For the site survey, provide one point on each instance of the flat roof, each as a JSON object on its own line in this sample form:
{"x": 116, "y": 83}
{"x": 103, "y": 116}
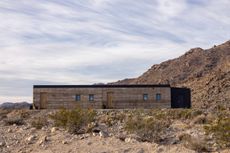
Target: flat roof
{"x": 103, "y": 86}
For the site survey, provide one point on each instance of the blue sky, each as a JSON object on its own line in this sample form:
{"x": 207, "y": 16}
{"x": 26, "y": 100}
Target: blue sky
{"x": 92, "y": 41}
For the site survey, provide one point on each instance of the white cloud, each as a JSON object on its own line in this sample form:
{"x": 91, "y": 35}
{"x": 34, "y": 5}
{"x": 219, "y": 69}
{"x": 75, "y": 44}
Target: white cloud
{"x": 15, "y": 99}
{"x": 88, "y": 41}
{"x": 170, "y": 8}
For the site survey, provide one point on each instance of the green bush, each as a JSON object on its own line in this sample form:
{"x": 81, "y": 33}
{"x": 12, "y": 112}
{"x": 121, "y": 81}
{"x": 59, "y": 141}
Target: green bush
{"x": 73, "y": 120}
{"x": 39, "y": 122}
{"x": 147, "y": 128}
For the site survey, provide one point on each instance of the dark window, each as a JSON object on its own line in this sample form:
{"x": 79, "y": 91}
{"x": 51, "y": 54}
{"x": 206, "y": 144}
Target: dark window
{"x": 158, "y": 97}
{"x": 145, "y": 97}
{"x": 78, "y": 97}
{"x": 91, "y": 97}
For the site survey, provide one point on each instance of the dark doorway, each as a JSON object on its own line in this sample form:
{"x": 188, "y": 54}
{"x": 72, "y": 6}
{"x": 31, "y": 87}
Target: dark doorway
{"x": 180, "y": 98}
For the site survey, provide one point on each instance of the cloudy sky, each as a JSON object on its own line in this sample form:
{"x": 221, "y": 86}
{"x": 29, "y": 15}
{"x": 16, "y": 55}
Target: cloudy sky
{"x": 92, "y": 41}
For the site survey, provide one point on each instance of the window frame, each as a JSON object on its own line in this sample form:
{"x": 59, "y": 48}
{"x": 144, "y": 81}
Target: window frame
{"x": 91, "y": 97}
{"x": 145, "y": 97}
{"x": 77, "y": 97}
{"x": 158, "y": 97}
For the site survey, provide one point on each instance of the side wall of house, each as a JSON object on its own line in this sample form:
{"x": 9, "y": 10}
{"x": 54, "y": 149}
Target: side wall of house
{"x": 120, "y": 98}
{"x": 133, "y": 97}
{"x": 65, "y": 97}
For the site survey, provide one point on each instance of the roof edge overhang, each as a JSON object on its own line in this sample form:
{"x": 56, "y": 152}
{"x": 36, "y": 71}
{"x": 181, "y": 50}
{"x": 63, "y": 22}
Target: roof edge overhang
{"x": 103, "y": 86}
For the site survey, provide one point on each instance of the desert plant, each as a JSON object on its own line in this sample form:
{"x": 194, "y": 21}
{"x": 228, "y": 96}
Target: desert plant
{"x": 112, "y": 118}
{"x": 39, "y": 122}
{"x": 184, "y": 113}
{"x": 3, "y": 113}
{"x": 181, "y": 114}
{"x": 23, "y": 113}
{"x": 201, "y": 119}
{"x": 196, "y": 144}
{"x": 14, "y": 120}
{"x": 220, "y": 128}
{"x": 147, "y": 128}
{"x": 73, "y": 120}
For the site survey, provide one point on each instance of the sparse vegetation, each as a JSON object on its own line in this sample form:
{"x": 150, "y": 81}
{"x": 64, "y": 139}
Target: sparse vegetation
{"x": 220, "y": 129}
{"x": 196, "y": 144}
{"x": 111, "y": 118}
{"x": 147, "y": 128}
{"x": 14, "y": 120}
{"x": 161, "y": 126}
{"x": 201, "y": 119}
{"x": 75, "y": 121}
{"x": 39, "y": 122}
{"x": 175, "y": 113}
{"x": 3, "y": 113}
{"x": 23, "y": 113}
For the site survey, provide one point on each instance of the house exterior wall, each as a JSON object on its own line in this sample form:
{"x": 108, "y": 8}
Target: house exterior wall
{"x": 104, "y": 97}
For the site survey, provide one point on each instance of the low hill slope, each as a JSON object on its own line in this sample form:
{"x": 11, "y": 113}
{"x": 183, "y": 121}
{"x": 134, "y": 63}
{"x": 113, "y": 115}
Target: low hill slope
{"x": 206, "y": 72}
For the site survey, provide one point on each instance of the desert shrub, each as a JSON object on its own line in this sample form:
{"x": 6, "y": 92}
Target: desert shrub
{"x": 160, "y": 114}
{"x": 220, "y": 128}
{"x": 112, "y": 118}
{"x": 3, "y": 113}
{"x": 73, "y": 120}
{"x": 39, "y": 122}
{"x": 23, "y": 113}
{"x": 175, "y": 113}
{"x": 184, "y": 137}
{"x": 196, "y": 144}
{"x": 184, "y": 113}
{"x": 14, "y": 120}
{"x": 108, "y": 120}
{"x": 147, "y": 128}
{"x": 201, "y": 119}
{"x": 60, "y": 117}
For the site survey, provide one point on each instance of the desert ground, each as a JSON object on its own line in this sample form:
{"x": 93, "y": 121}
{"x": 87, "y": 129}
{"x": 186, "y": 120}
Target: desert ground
{"x": 114, "y": 131}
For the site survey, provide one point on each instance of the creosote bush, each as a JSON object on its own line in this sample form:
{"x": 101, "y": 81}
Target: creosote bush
{"x": 75, "y": 121}
{"x": 24, "y": 113}
{"x": 147, "y": 128}
{"x": 196, "y": 144}
{"x": 14, "y": 120}
{"x": 39, "y": 122}
{"x": 3, "y": 113}
{"x": 112, "y": 118}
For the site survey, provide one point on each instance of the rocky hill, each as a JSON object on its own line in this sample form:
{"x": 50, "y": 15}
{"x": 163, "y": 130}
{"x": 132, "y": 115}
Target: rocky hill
{"x": 206, "y": 72}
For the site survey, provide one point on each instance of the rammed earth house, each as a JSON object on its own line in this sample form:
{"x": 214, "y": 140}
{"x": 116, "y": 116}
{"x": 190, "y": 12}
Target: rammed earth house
{"x": 110, "y": 96}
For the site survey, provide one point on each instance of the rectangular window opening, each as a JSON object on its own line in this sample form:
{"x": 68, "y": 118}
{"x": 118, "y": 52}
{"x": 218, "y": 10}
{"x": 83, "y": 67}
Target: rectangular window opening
{"x": 158, "y": 97}
{"x": 145, "y": 97}
{"x": 91, "y": 97}
{"x": 78, "y": 97}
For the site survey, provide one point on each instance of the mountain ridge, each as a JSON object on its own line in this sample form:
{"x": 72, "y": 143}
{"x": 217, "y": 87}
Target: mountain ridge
{"x": 18, "y": 105}
{"x": 205, "y": 71}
